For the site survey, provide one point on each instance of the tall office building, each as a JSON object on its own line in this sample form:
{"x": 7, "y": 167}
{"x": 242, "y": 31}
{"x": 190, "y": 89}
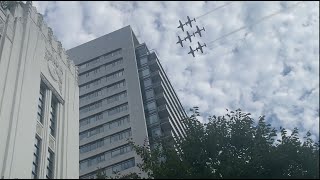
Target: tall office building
{"x": 124, "y": 93}
{"x": 39, "y": 99}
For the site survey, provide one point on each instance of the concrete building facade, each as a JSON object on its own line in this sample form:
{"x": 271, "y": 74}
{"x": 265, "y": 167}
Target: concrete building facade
{"x": 124, "y": 93}
{"x": 39, "y": 99}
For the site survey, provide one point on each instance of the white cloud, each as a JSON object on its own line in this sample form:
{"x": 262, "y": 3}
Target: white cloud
{"x": 273, "y": 70}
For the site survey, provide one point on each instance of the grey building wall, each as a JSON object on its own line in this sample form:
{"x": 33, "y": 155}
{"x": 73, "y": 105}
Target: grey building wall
{"x": 91, "y": 58}
{"x": 124, "y": 40}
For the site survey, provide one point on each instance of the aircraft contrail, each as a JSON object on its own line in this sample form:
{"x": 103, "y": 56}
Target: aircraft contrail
{"x": 255, "y": 23}
{"x": 215, "y": 9}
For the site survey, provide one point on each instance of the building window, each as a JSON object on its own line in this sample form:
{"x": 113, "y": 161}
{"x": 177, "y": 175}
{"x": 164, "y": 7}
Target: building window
{"x": 142, "y": 50}
{"x": 91, "y": 107}
{"x": 41, "y": 105}
{"x": 114, "y": 168}
{"x": 105, "y": 156}
{"x": 143, "y": 61}
{"x": 103, "y": 66}
{"x": 118, "y": 109}
{"x": 149, "y": 94}
{"x": 153, "y": 118}
{"x": 50, "y": 161}
{"x": 53, "y": 117}
{"x": 96, "y": 71}
{"x": 147, "y": 82}
{"x": 106, "y": 141}
{"x": 36, "y": 158}
{"x": 105, "y": 89}
{"x": 116, "y": 86}
{"x": 145, "y": 72}
{"x": 117, "y": 97}
{"x": 91, "y": 119}
{"x": 111, "y": 76}
{"x": 151, "y": 106}
{"x": 155, "y": 132}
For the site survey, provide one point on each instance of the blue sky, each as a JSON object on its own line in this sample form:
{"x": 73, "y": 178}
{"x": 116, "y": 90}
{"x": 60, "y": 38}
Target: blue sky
{"x": 271, "y": 68}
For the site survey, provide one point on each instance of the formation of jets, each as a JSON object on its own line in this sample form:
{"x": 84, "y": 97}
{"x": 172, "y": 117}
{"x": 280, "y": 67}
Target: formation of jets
{"x": 188, "y": 37}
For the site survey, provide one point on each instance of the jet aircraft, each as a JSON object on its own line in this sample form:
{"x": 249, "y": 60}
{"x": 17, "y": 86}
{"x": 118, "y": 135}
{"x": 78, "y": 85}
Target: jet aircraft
{"x": 188, "y": 37}
{"x": 199, "y": 31}
{"x": 181, "y": 25}
{"x": 192, "y": 51}
{"x": 180, "y": 41}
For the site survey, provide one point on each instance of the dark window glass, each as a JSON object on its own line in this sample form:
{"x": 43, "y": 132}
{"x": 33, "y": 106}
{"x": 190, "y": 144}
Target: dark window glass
{"x": 50, "y": 161}
{"x": 36, "y": 158}
{"x": 41, "y": 105}
{"x": 147, "y": 82}
{"x": 53, "y": 117}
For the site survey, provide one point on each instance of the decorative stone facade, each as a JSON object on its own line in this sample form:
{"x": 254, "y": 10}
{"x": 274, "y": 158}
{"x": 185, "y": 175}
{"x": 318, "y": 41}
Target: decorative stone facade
{"x": 30, "y": 55}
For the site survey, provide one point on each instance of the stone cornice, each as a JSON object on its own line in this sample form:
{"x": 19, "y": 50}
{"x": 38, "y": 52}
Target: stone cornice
{"x": 24, "y": 11}
{"x": 45, "y": 30}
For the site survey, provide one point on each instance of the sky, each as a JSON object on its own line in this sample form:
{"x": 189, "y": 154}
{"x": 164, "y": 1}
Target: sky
{"x": 270, "y": 68}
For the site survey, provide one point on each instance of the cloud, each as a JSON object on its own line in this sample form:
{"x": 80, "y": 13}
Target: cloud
{"x": 271, "y": 68}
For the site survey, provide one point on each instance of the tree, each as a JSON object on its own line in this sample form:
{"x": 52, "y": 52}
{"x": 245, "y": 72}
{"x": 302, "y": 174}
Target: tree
{"x": 230, "y": 146}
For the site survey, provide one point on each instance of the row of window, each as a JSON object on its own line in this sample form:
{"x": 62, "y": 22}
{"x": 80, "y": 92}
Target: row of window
{"x": 106, "y": 78}
{"x": 105, "y": 156}
{"x": 100, "y": 59}
{"x": 117, "y": 97}
{"x": 105, "y": 127}
{"x": 91, "y": 107}
{"x": 106, "y": 141}
{"x": 52, "y": 122}
{"x": 50, "y": 170}
{"x": 118, "y": 109}
{"x": 53, "y": 111}
{"x": 109, "y": 100}
{"x": 40, "y": 105}
{"x": 148, "y": 96}
{"x": 36, "y": 161}
{"x": 113, "y": 169}
{"x": 98, "y": 117}
{"x": 107, "y": 66}
{"x": 142, "y": 61}
{"x": 106, "y": 89}
{"x": 52, "y": 130}
{"x": 142, "y": 50}
{"x": 91, "y": 119}
{"x": 150, "y": 106}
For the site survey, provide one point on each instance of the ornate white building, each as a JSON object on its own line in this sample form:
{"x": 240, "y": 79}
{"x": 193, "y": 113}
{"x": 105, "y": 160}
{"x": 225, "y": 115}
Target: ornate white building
{"x": 39, "y": 99}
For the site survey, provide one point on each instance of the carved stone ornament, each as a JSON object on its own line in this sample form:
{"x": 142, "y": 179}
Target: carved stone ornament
{"x": 59, "y": 48}
{"x": 50, "y": 34}
{"x": 55, "y": 69}
{"x": 1, "y": 26}
{"x": 29, "y": 7}
{"x": 40, "y": 20}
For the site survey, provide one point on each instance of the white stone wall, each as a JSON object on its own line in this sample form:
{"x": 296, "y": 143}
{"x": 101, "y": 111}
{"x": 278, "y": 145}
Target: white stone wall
{"x": 29, "y": 54}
